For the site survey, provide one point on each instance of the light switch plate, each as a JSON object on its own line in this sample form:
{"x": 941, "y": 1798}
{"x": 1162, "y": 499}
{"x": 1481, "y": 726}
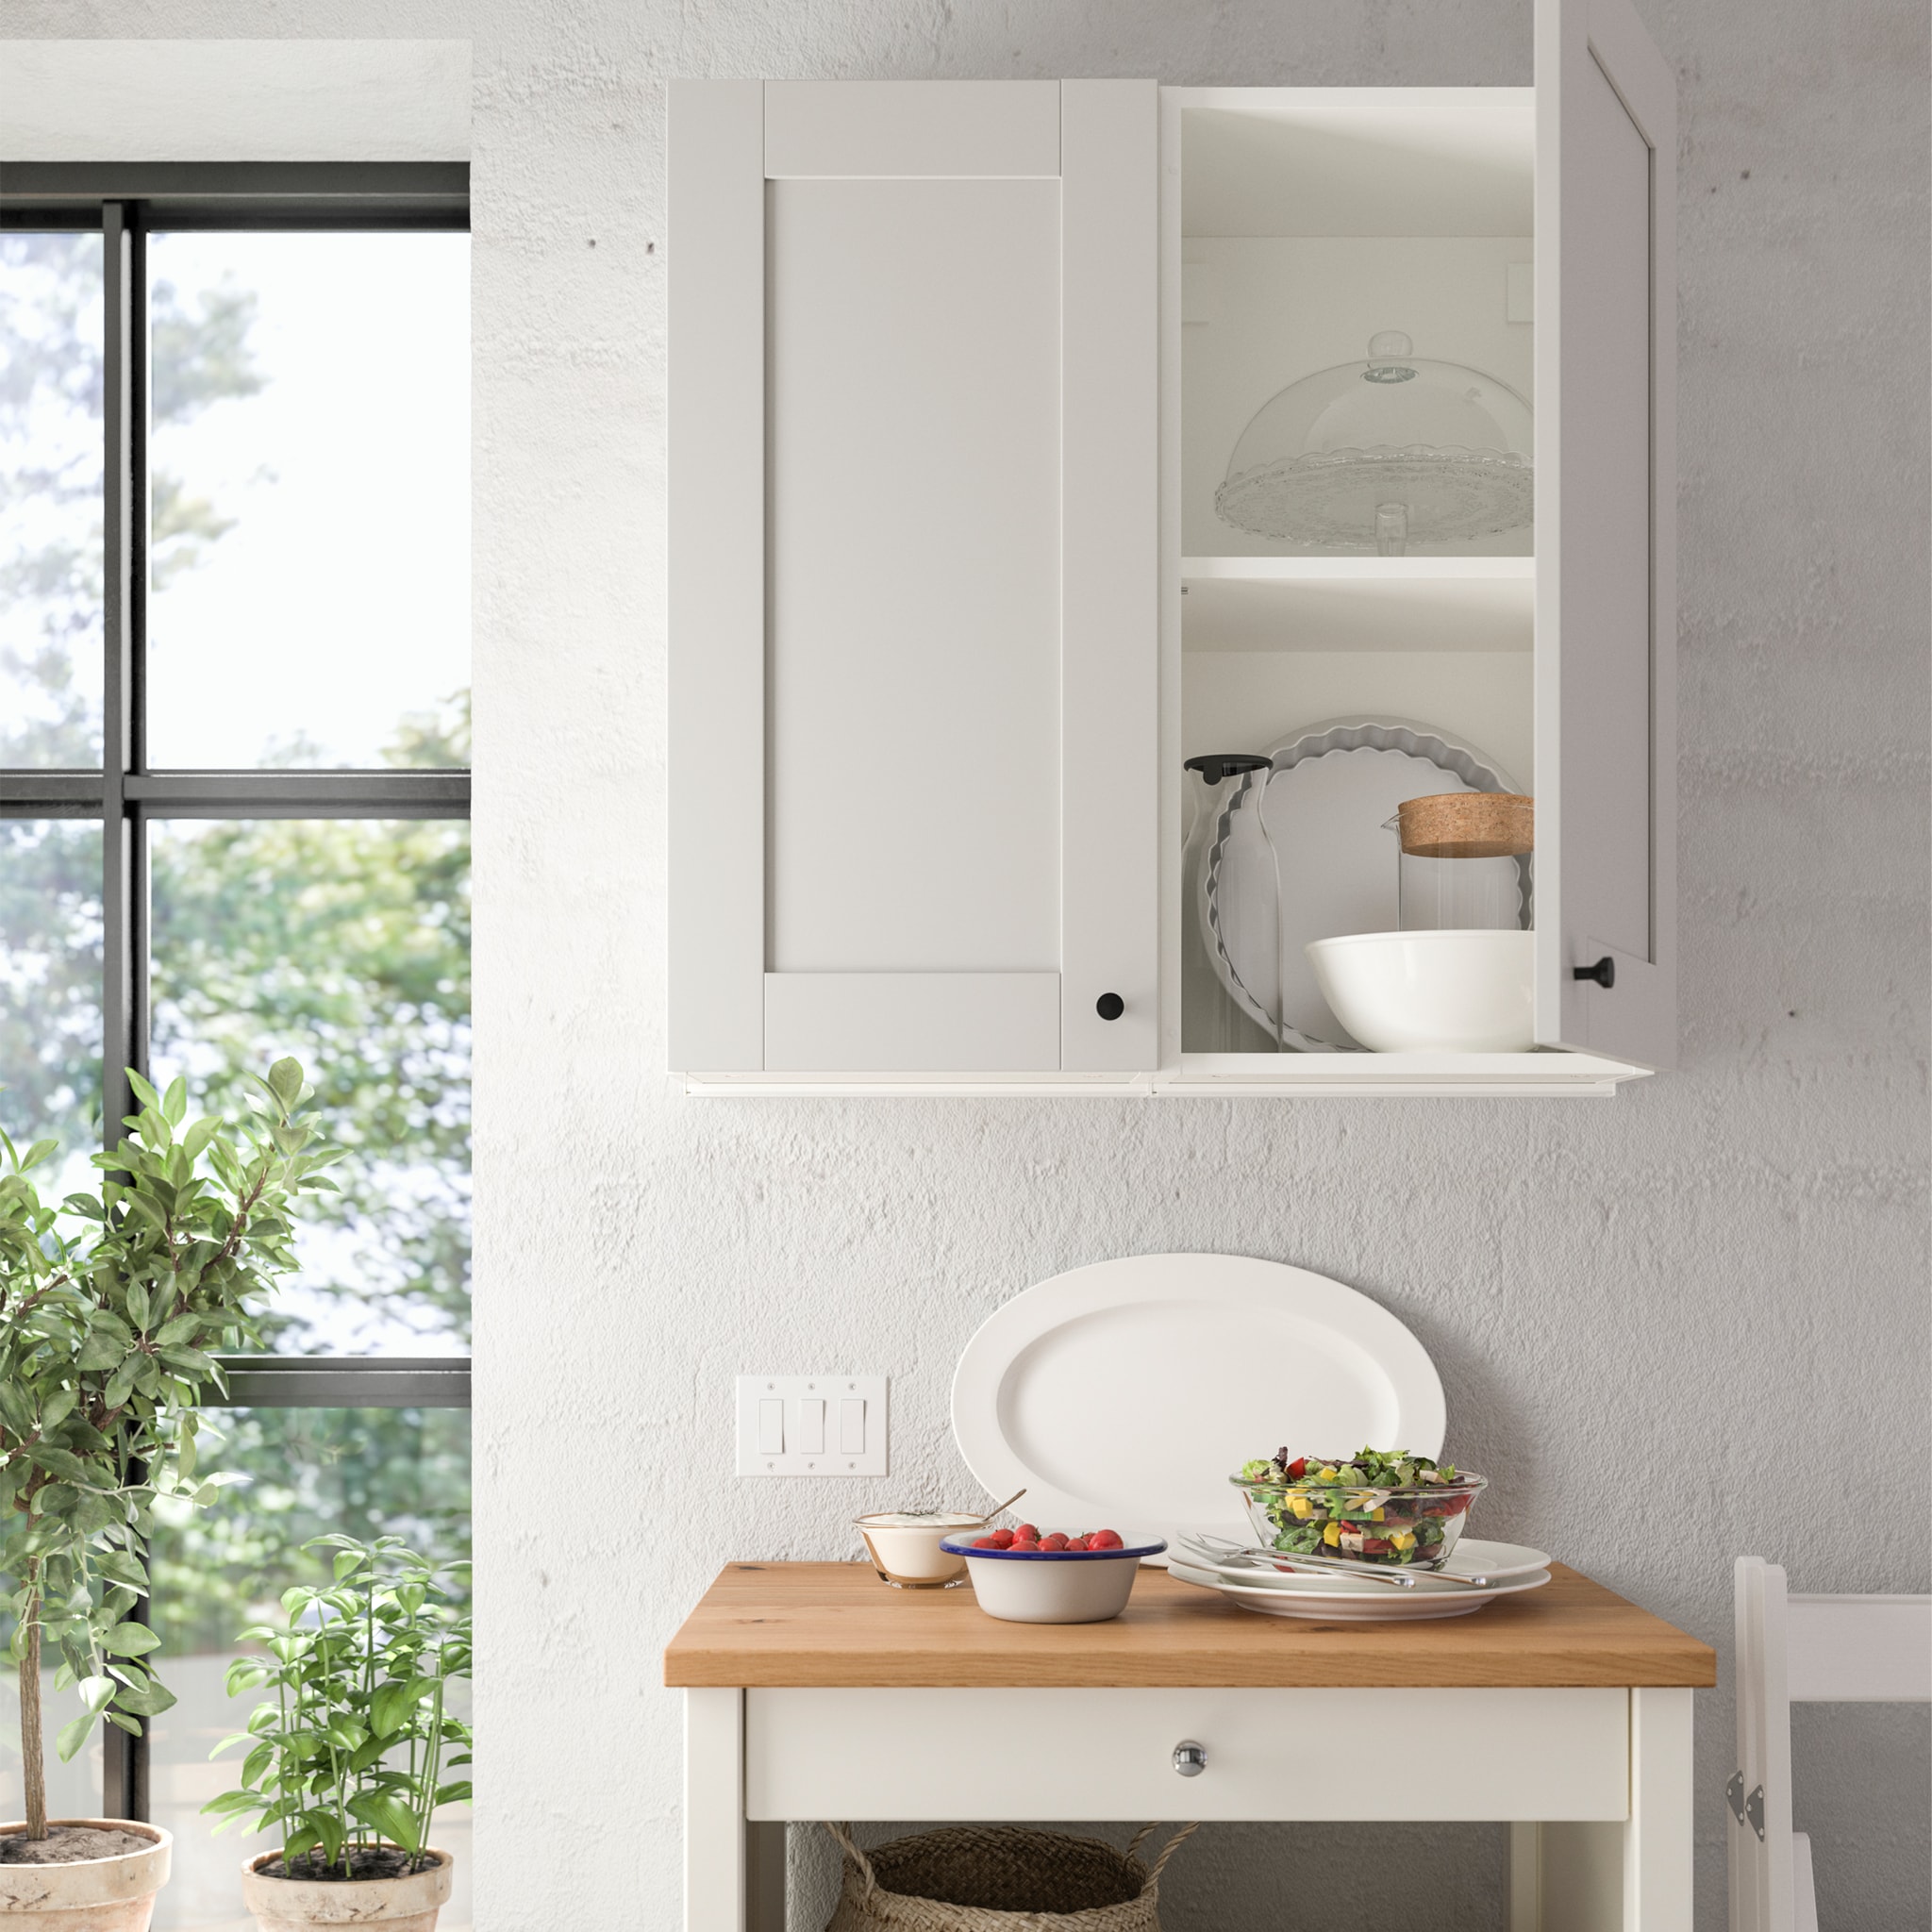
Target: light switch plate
{"x": 827, "y": 1425}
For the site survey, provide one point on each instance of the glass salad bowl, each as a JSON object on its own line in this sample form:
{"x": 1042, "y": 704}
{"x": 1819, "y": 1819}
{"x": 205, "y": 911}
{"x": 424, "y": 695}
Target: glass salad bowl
{"x": 1361, "y": 1509}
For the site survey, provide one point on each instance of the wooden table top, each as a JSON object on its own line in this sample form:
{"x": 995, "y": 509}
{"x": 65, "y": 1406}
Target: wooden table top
{"x": 836, "y": 1626}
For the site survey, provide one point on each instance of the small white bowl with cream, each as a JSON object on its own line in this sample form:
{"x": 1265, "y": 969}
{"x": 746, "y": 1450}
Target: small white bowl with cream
{"x": 904, "y": 1545}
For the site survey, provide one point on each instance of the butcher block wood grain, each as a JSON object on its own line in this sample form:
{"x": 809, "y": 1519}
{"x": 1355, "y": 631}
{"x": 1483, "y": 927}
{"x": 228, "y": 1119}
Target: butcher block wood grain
{"x": 835, "y": 1625}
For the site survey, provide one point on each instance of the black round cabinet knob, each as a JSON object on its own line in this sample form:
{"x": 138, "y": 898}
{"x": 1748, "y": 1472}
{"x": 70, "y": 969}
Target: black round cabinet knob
{"x": 1109, "y": 1006}
{"x": 1604, "y": 972}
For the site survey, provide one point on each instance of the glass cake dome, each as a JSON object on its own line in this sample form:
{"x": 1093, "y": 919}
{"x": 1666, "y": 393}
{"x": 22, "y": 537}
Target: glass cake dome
{"x": 1383, "y": 453}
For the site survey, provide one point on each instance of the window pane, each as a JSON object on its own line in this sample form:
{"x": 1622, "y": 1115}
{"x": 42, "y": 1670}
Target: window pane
{"x": 347, "y": 943}
{"x": 310, "y": 458}
{"x": 365, "y": 1472}
{"x": 50, "y": 499}
{"x": 50, "y": 991}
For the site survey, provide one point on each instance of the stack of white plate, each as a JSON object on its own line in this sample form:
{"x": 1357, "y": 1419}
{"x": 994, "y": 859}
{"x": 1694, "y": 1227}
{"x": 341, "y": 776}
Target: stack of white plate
{"x": 1328, "y": 1596}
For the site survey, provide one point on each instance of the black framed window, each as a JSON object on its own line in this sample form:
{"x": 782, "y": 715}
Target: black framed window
{"x": 234, "y": 791}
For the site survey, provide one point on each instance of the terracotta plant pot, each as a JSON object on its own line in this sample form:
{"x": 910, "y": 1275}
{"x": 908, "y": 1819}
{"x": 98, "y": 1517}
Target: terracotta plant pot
{"x": 93, "y": 1895}
{"x": 409, "y": 1904}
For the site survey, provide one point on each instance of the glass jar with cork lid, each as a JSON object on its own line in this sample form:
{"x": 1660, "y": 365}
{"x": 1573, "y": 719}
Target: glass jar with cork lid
{"x": 1465, "y": 862}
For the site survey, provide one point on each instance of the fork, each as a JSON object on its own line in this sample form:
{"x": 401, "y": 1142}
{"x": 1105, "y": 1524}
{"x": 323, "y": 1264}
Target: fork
{"x": 1221, "y": 1552}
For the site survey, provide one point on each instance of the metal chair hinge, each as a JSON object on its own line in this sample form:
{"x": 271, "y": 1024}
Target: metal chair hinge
{"x": 1753, "y": 1810}
{"x": 1734, "y": 1795}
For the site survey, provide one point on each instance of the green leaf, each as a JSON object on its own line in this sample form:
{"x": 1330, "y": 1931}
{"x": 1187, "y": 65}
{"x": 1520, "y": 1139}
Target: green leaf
{"x": 179, "y": 1329}
{"x": 391, "y": 1705}
{"x": 120, "y": 1383}
{"x": 129, "y": 1640}
{"x": 388, "y": 1815}
{"x": 142, "y": 1204}
{"x": 196, "y": 1139}
{"x": 230, "y": 1801}
{"x": 138, "y": 1303}
{"x": 285, "y": 1082}
{"x": 118, "y": 1566}
{"x": 146, "y": 1700}
{"x": 100, "y": 1351}
{"x": 58, "y": 1408}
{"x": 96, "y": 1694}
{"x": 73, "y": 1736}
{"x": 15, "y": 1410}
{"x": 189, "y": 1360}
{"x": 61, "y": 1462}
{"x": 37, "y": 1153}
{"x": 174, "y": 1100}
{"x": 126, "y": 1723}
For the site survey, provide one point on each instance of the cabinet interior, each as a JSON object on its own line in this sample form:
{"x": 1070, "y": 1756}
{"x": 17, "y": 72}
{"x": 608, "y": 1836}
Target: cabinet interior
{"x": 1310, "y": 221}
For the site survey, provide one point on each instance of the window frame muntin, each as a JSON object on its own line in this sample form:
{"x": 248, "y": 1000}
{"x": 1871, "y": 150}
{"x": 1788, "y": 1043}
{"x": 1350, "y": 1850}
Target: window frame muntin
{"x": 126, "y": 202}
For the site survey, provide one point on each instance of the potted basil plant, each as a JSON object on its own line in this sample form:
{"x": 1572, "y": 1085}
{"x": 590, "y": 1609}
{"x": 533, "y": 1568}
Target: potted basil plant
{"x": 351, "y": 1755}
{"x": 109, "y": 1305}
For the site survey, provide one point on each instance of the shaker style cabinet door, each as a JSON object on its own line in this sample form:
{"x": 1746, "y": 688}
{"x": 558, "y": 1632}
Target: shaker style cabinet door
{"x": 913, "y": 463}
{"x": 1605, "y": 468}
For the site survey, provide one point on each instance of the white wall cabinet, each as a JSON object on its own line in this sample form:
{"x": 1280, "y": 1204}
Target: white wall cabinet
{"x": 954, "y": 370}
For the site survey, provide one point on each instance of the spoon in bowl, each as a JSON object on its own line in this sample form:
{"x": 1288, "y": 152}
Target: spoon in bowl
{"x": 1007, "y": 1505}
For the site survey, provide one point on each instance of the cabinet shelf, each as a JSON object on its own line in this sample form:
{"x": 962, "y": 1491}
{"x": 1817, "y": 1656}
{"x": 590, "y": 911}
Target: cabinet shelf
{"x": 1203, "y": 1076}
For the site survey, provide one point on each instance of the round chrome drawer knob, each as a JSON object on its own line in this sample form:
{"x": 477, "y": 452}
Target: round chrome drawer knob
{"x": 1190, "y": 1759}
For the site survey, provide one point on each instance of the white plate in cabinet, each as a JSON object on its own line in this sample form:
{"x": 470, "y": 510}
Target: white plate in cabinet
{"x": 1077, "y": 1754}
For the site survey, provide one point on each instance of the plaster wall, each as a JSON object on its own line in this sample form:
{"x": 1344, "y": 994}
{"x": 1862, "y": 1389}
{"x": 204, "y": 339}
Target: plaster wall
{"x": 1646, "y": 1311}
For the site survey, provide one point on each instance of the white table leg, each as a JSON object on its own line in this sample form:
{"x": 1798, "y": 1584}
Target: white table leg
{"x": 1658, "y": 1841}
{"x": 1634, "y": 1876}
{"x": 714, "y": 1835}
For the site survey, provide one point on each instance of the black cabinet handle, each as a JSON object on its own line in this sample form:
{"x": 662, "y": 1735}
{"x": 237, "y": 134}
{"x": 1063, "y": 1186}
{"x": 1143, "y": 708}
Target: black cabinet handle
{"x": 1604, "y": 972}
{"x": 1109, "y": 1006}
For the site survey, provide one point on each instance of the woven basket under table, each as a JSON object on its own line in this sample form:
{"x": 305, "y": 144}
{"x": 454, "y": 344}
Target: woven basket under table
{"x": 999, "y": 1878}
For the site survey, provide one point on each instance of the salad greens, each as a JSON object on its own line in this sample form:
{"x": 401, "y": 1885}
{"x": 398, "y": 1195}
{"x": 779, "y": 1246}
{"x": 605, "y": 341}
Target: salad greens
{"x": 1379, "y": 1505}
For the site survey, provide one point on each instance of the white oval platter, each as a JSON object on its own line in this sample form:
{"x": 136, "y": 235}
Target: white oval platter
{"x": 1130, "y": 1391}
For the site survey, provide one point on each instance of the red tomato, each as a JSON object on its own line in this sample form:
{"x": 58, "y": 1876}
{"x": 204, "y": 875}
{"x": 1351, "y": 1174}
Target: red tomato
{"x": 1001, "y": 1538}
{"x": 1026, "y": 1533}
{"x": 1105, "y": 1540}
{"x": 1055, "y": 1541}
{"x": 1297, "y": 1469}
{"x": 1026, "y": 1542}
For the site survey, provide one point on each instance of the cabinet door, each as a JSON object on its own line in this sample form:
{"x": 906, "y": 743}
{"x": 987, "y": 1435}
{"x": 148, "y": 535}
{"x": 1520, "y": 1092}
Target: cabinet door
{"x": 913, "y": 576}
{"x": 1606, "y": 479}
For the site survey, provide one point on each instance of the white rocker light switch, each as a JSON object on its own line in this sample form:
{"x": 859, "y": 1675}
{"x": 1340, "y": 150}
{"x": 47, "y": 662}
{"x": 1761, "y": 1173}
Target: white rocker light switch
{"x": 811, "y": 1426}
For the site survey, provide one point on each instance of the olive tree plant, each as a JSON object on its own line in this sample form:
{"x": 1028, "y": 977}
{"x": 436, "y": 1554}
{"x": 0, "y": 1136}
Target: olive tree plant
{"x": 110, "y": 1304}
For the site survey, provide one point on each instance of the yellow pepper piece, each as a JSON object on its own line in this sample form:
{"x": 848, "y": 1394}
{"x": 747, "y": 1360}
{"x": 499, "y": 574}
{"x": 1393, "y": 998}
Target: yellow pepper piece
{"x": 1380, "y": 1515}
{"x": 1328, "y": 1474}
{"x": 1331, "y": 1534}
{"x": 1402, "y": 1540}
{"x": 1301, "y": 1506}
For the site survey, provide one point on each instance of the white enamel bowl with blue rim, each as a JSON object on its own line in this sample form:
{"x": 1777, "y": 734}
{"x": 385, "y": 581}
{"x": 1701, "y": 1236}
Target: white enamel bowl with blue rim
{"x": 1054, "y": 1586}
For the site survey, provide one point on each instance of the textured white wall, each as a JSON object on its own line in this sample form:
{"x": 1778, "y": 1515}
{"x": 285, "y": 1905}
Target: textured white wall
{"x": 1647, "y": 1311}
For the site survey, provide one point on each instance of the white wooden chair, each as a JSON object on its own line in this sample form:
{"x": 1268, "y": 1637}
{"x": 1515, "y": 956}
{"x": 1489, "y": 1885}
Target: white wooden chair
{"x": 1803, "y": 1650}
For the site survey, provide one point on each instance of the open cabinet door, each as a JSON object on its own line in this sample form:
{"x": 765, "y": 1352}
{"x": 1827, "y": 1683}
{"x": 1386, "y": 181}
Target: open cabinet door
{"x": 913, "y": 439}
{"x": 1606, "y": 484}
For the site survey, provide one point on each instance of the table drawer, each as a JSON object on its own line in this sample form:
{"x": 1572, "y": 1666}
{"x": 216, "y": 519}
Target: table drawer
{"x": 1316, "y": 1754}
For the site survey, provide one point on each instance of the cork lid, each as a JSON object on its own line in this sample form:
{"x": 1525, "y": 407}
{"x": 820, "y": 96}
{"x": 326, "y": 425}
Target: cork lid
{"x": 1468, "y": 824}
